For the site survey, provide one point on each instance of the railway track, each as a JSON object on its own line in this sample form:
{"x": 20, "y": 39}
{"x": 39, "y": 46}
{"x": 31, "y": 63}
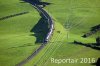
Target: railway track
{"x": 50, "y": 22}
{"x": 47, "y": 38}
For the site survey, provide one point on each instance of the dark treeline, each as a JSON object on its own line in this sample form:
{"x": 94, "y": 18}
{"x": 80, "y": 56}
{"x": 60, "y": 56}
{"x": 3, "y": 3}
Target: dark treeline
{"x": 13, "y": 15}
{"x": 38, "y": 2}
{"x": 98, "y": 40}
{"x": 95, "y": 27}
{"x": 91, "y": 45}
{"x": 92, "y": 31}
{"x": 97, "y": 63}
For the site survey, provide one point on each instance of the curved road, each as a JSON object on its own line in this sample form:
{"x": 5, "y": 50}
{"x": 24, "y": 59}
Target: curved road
{"x": 47, "y": 38}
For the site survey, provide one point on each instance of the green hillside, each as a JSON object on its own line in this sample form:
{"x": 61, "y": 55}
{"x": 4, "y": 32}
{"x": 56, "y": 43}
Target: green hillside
{"x": 72, "y": 19}
{"x": 80, "y": 16}
{"x": 16, "y": 40}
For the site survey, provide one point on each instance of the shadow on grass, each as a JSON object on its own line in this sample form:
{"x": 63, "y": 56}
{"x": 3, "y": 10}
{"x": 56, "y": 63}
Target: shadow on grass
{"x": 93, "y": 30}
{"x": 91, "y": 45}
{"x": 13, "y": 15}
{"x": 40, "y": 30}
{"x": 38, "y": 2}
{"x": 97, "y": 63}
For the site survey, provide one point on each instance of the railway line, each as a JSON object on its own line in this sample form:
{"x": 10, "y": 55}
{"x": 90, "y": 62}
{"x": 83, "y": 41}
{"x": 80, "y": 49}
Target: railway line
{"x": 47, "y": 38}
{"x": 50, "y": 22}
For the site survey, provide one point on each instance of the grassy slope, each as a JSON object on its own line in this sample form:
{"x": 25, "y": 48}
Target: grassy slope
{"x": 16, "y": 42}
{"x": 76, "y": 11}
{"x": 86, "y": 14}
{"x": 18, "y": 34}
{"x": 50, "y": 47}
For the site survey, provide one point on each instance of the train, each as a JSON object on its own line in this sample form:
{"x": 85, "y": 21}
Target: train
{"x": 50, "y": 23}
{"x": 49, "y": 33}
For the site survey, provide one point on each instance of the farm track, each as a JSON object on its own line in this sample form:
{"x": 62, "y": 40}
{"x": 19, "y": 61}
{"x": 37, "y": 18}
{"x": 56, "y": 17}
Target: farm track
{"x": 50, "y": 21}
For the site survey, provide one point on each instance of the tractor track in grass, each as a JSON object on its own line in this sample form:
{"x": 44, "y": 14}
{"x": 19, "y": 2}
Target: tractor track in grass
{"x": 49, "y": 34}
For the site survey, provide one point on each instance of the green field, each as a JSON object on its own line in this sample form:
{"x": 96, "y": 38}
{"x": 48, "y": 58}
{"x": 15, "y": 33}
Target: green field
{"x": 17, "y": 41}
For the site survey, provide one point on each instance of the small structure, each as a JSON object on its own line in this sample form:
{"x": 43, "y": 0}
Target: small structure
{"x": 98, "y": 40}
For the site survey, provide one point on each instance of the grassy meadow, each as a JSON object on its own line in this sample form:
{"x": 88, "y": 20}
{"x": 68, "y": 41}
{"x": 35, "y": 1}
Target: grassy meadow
{"x": 16, "y": 40}
{"x": 78, "y": 17}
{"x": 72, "y": 18}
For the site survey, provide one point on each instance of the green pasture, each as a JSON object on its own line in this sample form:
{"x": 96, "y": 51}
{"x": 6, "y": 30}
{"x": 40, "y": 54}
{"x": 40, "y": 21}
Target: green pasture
{"x": 80, "y": 16}
{"x": 72, "y": 18}
{"x": 16, "y": 40}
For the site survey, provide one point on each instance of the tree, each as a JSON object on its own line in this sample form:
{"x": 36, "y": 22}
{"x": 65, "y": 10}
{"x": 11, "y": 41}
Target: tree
{"x": 98, "y": 40}
{"x": 37, "y": 1}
